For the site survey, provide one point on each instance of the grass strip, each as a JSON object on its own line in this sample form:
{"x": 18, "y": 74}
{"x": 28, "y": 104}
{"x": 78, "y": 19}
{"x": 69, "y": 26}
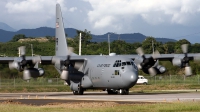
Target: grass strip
{"x": 103, "y": 107}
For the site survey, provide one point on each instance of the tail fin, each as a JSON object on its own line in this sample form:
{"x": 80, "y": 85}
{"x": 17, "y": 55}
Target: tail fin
{"x": 61, "y": 44}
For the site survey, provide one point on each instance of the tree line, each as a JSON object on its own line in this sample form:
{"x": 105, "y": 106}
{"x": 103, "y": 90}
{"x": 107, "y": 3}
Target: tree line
{"x": 95, "y": 48}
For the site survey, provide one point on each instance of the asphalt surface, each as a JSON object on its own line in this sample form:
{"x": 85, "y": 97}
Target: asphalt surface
{"x": 44, "y": 98}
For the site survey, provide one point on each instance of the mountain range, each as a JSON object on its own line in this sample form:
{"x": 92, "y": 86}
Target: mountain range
{"x": 6, "y": 27}
{"x": 7, "y": 35}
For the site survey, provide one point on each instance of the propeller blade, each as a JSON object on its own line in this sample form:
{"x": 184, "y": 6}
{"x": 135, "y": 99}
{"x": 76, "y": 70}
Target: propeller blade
{"x": 22, "y": 50}
{"x": 36, "y": 59}
{"x": 139, "y": 66}
{"x": 188, "y": 71}
{"x": 78, "y": 65}
{"x": 140, "y": 51}
{"x": 64, "y": 75}
{"x": 184, "y": 48}
{"x": 26, "y": 75}
{"x": 13, "y": 65}
{"x": 156, "y": 54}
{"x": 152, "y": 71}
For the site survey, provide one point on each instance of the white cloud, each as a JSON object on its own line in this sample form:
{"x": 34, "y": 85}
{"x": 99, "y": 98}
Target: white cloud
{"x": 33, "y": 13}
{"x": 73, "y": 9}
{"x": 32, "y": 6}
{"x": 159, "y": 18}
{"x": 154, "y": 12}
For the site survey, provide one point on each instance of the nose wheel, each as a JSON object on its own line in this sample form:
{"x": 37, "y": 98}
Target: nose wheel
{"x": 124, "y": 91}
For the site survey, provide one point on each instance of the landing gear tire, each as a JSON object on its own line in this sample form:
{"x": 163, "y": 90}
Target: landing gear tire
{"x": 124, "y": 91}
{"x": 80, "y": 91}
{"x": 112, "y": 92}
{"x": 75, "y": 92}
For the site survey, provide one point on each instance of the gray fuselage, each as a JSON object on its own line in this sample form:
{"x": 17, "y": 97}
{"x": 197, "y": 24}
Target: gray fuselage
{"x": 107, "y": 72}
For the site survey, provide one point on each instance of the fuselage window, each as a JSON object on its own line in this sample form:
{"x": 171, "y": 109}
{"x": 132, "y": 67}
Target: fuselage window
{"x": 116, "y": 72}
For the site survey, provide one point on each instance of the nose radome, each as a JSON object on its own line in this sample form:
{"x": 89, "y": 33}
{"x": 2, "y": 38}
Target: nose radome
{"x": 130, "y": 78}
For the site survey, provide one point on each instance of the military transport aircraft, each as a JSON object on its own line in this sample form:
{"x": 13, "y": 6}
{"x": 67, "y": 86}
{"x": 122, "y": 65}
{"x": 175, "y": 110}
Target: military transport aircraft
{"x": 113, "y": 73}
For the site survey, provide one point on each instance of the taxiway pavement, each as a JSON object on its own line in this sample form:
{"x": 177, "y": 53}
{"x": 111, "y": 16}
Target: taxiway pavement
{"x": 43, "y": 98}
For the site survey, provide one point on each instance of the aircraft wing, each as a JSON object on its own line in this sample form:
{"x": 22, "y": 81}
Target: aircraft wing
{"x": 166, "y": 57}
{"x": 44, "y": 59}
{"x": 162, "y": 57}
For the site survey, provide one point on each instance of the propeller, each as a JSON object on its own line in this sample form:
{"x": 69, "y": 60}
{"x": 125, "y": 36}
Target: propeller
{"x": 185, "y": 60}
{"x": 64, "y": 66}
{"x": 20, "y": 63}
{"x": 147, "y": 63}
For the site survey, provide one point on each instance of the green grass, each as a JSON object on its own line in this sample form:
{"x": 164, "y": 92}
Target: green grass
{"x": 107, "y": 107}
{"x": 65, "y": 88}
{"x": 57, "y": 85}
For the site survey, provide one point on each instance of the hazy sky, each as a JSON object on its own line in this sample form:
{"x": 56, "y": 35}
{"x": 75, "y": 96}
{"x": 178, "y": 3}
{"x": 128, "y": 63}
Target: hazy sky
{"x": 177, "y": 19}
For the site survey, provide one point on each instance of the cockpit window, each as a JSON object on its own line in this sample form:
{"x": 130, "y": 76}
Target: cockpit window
{"x": 123, "y": 63}
{"x": 134, "y": 65}
{"x": 117, "y": 63}
{"x": 128, "y": 63}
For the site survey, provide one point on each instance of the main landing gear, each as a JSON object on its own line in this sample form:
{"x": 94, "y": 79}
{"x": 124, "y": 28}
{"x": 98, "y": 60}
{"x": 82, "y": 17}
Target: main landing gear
{"x": 124, "y": 91}
{"x": 120, "y": 91}
{"x": 80, "y": 91}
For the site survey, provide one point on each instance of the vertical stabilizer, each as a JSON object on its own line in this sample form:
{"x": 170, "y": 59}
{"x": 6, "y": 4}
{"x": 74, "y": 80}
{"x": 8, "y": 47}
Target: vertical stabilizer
{"x": 61, "y": 44}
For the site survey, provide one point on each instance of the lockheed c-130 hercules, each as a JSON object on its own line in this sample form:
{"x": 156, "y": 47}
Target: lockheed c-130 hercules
{"x": 113, "y": 73}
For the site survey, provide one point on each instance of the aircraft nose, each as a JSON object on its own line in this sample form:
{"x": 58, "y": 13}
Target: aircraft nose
{"x": 130, "y": 78}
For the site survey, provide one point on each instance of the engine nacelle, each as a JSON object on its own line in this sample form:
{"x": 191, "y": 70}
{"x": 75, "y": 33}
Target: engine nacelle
{"x": 160, "y": 69}
{"x": 32, "y": 72}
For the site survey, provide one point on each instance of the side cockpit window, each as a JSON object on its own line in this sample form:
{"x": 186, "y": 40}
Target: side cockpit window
{"x": 134, "y": 65}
